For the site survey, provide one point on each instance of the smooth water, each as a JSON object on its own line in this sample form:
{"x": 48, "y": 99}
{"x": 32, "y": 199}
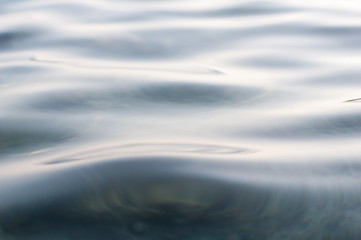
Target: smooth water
{"x": 180, "y": 119}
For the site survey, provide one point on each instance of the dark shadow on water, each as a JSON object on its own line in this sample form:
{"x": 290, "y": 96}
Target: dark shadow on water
{"x": 165, "y": 95}
{"x": 249, "y": 8}
{"x": 27, "y": 135}
{"x": 175, "y": 198}
{"x": 15, "y": 40}
{"x": 20, "y": 70}
{"x": 197, "y": 94}
{"x": 274, "y": 62}
{"x": 147, "y": 44}
{"x": 236, "y": 10}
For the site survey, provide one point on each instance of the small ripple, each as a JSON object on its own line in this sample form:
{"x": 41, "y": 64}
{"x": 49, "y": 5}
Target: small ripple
{"x": 277, "y": 62}
{"x": 339, "y": 78}
{"x": 321, "y": 127}
{"x": 151, "y": 148}
{"x": 193, "y": 70}
{"x": 235, "y": 10}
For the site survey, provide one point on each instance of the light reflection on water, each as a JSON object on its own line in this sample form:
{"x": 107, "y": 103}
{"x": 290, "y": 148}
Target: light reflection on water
{"x": 180, "y": 120}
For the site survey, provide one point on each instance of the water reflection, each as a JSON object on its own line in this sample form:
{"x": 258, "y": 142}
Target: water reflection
{"x": 154, "y": 197}
{"x": 274, "y": 62}
{"x": 335, "y": 79}
{"x": 166, "y": 94}
{"x": 33, "y": 133}
{"x": 320, "y": 127}
{"x": 11, "y": 40}
{"x": 179, "y": 120}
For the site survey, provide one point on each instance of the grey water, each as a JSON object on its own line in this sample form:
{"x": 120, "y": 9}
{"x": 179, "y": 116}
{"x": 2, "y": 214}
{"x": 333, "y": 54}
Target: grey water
{"x": 180, "y": 119}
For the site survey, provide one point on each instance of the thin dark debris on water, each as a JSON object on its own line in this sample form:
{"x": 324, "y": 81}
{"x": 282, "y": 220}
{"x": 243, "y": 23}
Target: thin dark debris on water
{"x": 354, "y": 100}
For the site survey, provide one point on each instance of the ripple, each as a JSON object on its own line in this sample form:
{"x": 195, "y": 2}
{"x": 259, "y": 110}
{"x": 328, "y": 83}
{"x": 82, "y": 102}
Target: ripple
{"x": 235, "y": 10}
{"x": 153, "y": 148}
{"x": 249, "y": 8}
{"x": 320, "y": 127}
{"x": 197, "y": 94}
{"x": 167, "y": 95}
{"x": 150, "y": 195}
{"x": 339, "y": 78}
{"x": 277, "y": 62}
{"x": 14, "y": 40}
{"x": 152, "y": 192}
{"x": 154, "y": 163}
{"x": 146, "y": 44}
{"x": 19, "y": 135}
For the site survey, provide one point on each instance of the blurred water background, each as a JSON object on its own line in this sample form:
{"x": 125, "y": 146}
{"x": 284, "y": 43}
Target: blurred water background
{"x": 180, "y": 119}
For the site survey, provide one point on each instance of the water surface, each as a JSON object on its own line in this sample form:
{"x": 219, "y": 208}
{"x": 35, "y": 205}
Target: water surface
{"x": 236, "y": 120}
